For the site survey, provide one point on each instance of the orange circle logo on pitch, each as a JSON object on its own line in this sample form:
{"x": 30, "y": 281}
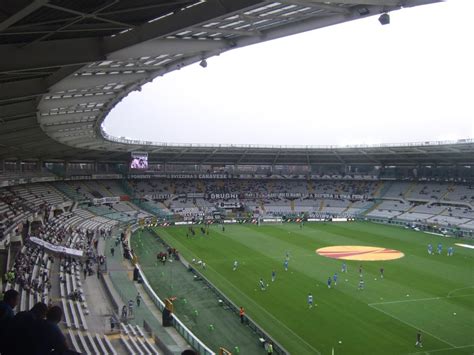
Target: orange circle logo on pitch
{"x": 357, "y": 252}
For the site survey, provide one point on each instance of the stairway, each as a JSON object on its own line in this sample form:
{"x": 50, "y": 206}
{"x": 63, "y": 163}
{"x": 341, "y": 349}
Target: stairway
{"x": 321, "y": 205}
{"x": 349, "y": 206}
{"x": 374, "y": 207}
{"x": 409, "y": 190}
{"x": 381, "y": 186}
{"x": 448, "y": 190}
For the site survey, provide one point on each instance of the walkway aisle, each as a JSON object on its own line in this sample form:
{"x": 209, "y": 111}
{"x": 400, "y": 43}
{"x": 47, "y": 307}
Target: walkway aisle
{"x": 121, "y": 274}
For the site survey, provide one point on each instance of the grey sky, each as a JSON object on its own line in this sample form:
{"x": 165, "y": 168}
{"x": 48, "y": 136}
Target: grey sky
{"x": 354, "y": 83}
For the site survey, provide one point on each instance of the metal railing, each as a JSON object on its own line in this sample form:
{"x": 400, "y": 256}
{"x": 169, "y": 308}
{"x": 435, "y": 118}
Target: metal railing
{"x": 277, "y": 348}
{"x": 187, "y": 334}
{"x": 126, "y": 140}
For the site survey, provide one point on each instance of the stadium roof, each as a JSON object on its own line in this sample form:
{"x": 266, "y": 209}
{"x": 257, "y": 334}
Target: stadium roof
{"x": 65, "y": 64}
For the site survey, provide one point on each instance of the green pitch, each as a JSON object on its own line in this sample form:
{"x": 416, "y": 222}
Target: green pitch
{"x": 434, "y": 294}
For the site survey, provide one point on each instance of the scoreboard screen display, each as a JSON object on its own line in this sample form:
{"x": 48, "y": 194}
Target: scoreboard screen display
{"x": 139, "y": 161}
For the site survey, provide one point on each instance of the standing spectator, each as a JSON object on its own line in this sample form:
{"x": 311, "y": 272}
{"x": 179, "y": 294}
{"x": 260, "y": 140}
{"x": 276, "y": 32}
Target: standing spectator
{"x": 130, "y": 308}
{"x": 124, "y": 312}
{"x": 242, "y": 314}
{"x": 50, "y": 337}
{"x": 10, "y": 301}
{"x": 139, "y": 299}
{"x": 269, "y": 348}
{"x": 112, "y": 251}
{"x": 22, "y": 331}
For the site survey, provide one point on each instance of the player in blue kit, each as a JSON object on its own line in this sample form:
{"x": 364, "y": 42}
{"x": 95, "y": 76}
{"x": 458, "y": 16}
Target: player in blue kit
{"x": 334, "y": 278}
{"x": 440, "y": 248}
{"x": 310, "y": 300}
{"x": 430, "y": 249}
{"x": 450, "y": 251}
{"x": 285, "y": 264}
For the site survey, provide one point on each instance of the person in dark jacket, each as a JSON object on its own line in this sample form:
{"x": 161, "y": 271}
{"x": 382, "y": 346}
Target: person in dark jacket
{"x": 10, "y": 301}
{"x": 50, "y": 338}
{"x": 23, "y": 329}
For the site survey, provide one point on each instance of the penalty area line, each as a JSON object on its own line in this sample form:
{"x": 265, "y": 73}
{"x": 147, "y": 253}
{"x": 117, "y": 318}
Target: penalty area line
{"x": 419, "y": 300}
{"x": 411, "y": 325}
{"x": 444, "y": 349}
{"x": 183, "y": 247}
{"x": 459, "y": 289}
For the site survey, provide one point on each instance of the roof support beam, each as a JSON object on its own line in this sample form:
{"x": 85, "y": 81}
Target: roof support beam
{"x": 318, "y": 4}
{"x": 70, "y": 127}
{"x": 276, "y": 157}
{"x": 52, "y": 120}
{"x": 35, "y": 5}
{"x": 338, "y": 157}
{"x": 17, "y": 90}
{"x": 86, "y": 50}
{"x": 80, "y": 82}
{"x": 369, "y": 157}
{"x": 209, "y": 156}
{"x": 228, "y": 31}
{"x": 32, "y": 87}
{"x": 242, "y": 156}
{"x": 18, "y": 109}
{"x": 46, "y": 105}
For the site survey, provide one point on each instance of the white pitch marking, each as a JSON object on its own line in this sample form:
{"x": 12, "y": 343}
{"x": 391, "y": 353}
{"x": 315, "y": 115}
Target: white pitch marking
{"x": 419, "y": 299}
{"x": 458, "y": 289}
{"x": 444, "y": 349}
{"x": 255, "y": 303}
{"x": 411, "y": 325}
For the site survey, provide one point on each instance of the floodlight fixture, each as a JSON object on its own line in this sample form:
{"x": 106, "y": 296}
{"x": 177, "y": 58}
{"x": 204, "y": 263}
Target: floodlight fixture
{"x": 384, "y": 19}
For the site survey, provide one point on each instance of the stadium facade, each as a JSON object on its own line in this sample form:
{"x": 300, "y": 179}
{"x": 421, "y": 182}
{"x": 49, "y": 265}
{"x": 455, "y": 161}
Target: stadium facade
{"x": 66, "y": 64}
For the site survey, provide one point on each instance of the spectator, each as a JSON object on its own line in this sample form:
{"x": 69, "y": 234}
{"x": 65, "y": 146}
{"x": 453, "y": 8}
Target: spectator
{"x": 269, "y": 348}
{"x": 10, "y": 301}
{"x": 130, "y": 308}
{"x": 242, "y": 314}
{"x": 20, "y": 335}
{"x": 50, "y": 337}
{"x": 112, "y": 323}
{"x": 124, "y": 312}
{"x": 139, "y": 299}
